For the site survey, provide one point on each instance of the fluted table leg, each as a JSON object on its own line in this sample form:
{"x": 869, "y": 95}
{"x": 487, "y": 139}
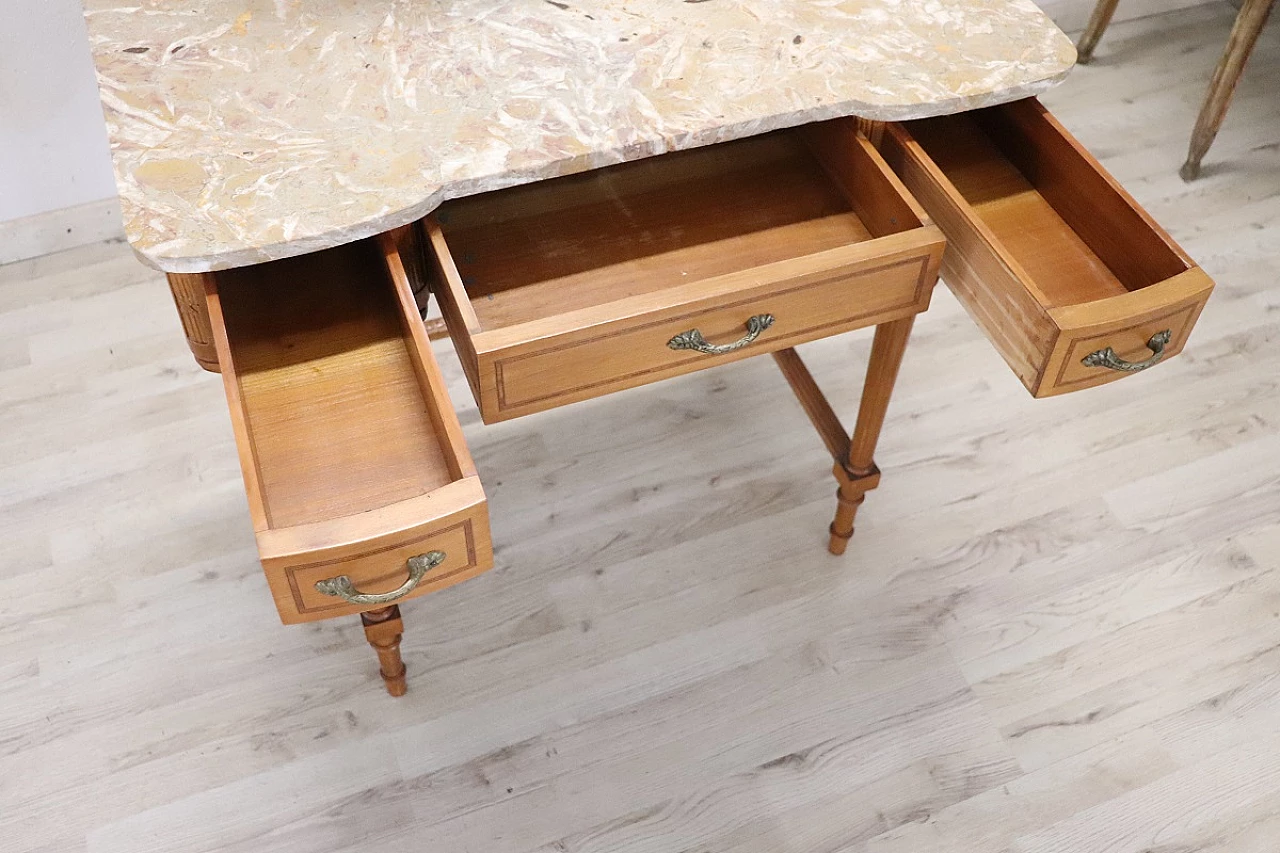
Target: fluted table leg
{"x": 857, "y": 473}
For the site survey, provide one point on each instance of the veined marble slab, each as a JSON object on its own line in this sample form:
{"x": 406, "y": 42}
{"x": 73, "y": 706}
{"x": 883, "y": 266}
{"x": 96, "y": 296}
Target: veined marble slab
{"x": 248, "y": 130}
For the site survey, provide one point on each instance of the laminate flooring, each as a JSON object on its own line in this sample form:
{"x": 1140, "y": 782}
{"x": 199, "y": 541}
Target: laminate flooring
{"x": 1057, "y": 629}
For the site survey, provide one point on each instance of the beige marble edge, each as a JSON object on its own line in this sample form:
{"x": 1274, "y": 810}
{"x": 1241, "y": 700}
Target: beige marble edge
{"x": 552, "y": 169}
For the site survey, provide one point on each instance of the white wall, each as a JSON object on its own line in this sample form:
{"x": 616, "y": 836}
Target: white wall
{"x": 53, "y": 145}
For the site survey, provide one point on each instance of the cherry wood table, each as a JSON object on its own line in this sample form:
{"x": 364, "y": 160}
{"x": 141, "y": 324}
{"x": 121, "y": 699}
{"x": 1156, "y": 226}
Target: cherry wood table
{"x": 360, "y": 485}
{"x": 312, "y": 185}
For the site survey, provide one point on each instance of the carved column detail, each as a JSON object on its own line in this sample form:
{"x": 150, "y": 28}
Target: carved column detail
{"x": 193, "y": 311}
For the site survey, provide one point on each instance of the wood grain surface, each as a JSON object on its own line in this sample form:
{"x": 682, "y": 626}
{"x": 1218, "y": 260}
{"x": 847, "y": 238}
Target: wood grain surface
{"x": 572, "y": 289}
{"x": 1054, "y": 631}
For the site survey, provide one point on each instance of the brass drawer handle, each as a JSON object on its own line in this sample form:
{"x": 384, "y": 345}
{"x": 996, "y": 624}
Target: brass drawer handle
{"x": 1107, "y": 357}
{"x": 342, "y": 587}
{"x": 693, "y": 339}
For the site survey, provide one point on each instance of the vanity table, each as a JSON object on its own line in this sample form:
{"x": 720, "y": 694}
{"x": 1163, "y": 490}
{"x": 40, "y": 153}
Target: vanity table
{"x": 597, "y": 196}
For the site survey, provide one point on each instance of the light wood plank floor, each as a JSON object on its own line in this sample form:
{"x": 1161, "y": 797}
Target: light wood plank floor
{"x": 1055, "y": 632}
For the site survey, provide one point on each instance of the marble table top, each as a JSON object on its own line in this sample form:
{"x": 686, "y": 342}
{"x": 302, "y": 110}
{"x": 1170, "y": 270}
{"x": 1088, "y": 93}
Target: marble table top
{"x": 248, "y": 130}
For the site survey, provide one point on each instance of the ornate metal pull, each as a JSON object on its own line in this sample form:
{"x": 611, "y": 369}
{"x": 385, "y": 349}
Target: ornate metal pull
{"x": 1107, "y": 357}
{"x": 342, "y": 587}
{"x": 693, "y": 339}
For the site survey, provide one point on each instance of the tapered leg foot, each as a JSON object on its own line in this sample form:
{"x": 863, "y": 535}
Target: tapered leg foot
{"x": 1249, "y": 21}
{"x": 383, "y": 628}
{"x": 1093, "y": 32}
{"x": 842, "y": 527}
{"x": 854, "y": 485}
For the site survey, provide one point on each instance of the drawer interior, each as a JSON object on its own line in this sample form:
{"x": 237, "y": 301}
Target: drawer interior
{"x": 330, "y": 398}
{"x": 636, "y": 228}
{"x": 1076, "y": 237}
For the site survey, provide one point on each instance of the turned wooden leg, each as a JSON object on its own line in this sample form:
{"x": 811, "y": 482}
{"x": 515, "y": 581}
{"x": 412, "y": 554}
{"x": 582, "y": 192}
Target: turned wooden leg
{"x": 382, "y": 628}
{"x": 1249, "y": 21}
{"x": 193, "y": 311}
{"x": 854, "y": 469}
{"x": 1097, "y": 25}
{"x": 857, "y": 473}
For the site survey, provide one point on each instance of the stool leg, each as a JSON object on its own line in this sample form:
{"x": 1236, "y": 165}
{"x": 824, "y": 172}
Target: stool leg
{"x": 1098, "y": 22}
{"x": 1253, "y": 14}
{"x": 382, "y": 628}
{"x": 857, "y": 473}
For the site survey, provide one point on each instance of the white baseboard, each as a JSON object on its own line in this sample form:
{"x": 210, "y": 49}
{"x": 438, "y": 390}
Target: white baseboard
{"x": 58, "y": 230}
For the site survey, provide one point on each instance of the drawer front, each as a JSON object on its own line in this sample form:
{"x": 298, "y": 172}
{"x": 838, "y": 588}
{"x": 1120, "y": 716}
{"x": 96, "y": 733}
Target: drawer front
{"x": 569, "y": 368}
{"x": 1089, "y": 355}
{"x": 384, "y": 568}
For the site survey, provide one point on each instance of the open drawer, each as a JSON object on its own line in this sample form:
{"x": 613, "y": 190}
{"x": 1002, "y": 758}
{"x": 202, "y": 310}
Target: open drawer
{"x": 1069, "y": 278}
{"x": 571, "y": 288}
{"x": 360, "y": 486}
